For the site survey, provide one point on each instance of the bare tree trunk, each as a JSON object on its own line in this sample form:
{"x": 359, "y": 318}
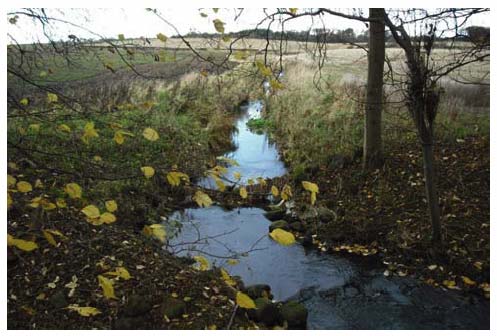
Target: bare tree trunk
{"x": 431, "y": 192}
{"x": 373, "y": 156}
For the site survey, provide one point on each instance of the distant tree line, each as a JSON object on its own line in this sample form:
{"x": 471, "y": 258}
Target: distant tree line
{"x": 474, "y": 34}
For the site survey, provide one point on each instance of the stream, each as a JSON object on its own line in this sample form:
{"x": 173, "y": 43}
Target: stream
{"x": 337, "y": 292}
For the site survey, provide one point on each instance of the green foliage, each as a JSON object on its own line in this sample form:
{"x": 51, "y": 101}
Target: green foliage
{"x": 259, "y": 125}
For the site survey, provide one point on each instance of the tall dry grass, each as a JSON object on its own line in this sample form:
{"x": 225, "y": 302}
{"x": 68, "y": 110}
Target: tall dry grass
{"x": 317, "y": 120}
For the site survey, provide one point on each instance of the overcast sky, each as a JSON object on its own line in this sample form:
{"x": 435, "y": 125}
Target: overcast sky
{"x": 139, "y": 22}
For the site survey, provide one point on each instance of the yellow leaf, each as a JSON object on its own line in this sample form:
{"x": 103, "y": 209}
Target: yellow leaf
{"x": 24, "y": 101}
{"x": 218, "y": 171}
{"x": 9, "y": 201}
{"x": 107, "y": 287}
{"x": 97, "y": 158}
{"x": 52, "y": 98}
{"x": 24, "y": 186}
{"x": 12, "y": 165}
{"x": 111, "y": 205}
{"x": 73, "y": 190}
{"x": 156, "y": 230}
{"x": 95, "y": 221}
{"x": 108, "y": 218}
{"x": 202, "y": 199}
{"x": 174, "y": 178}
{"x": 84, "y": 311}
{"x": 57, "y": 233}
{"x": 61, "y": 203}
{"x": 64, "y": 128}
{"x": 265, "y": 71}
{"x": 293, "y": 10}
{"x": 219, "y": 25}
{"x": 286, "y": 192}
{"x": 468, "y": 281}
{"x": 275, "y": 191}
{"x": 313, "y": 188}
{"x": 243, "y": 192}
{"x": 233, "y": 262}
{"x": 49, "y": 238}
{"x": 451, "y": 284}
{"x": 47, "y": 205}
{"x": 119, "y": 137}
{"x": 313, "y": 198}
{"x": 261, "y": 181}
{"x": 148, "y": 171}
{"x": 282, "y": 237}
{"x": 244, "y": 301}
{"x": 162, "y": 37}
{"x": 276, "y": 85}
{"x": 38, "y": 183}
{"x": 150, "y": 134}
{"x": 220, "y": 185}
{"x": 120, "y": 272}
{"x": 309, "y": 186}
{"x": 21, "y": 244}
{"x": 227, "y": 278}
{"x": 237, "y": 175}
{"x": 478, "y": 265}
{"x": 91, "y": 211}
{"x": 203, "y": 264}
{"x": 35, "y": 202}
{"x": 11, "y": 181}
{"x": 89, "y": 132}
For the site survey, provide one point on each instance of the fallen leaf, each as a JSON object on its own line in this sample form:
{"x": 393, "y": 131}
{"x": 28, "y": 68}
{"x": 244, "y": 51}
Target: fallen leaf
{"x": 84, "y": 311}
{"x": 107, "y": 287}
{"x": 73, "y": 190}
{"x": 24, "y": 186}
{"x": 282, "y": 237}
{"x": 111, "y": 205}
{"x": 91, "y": 211}
{"x": 21, "y": 244}
{"x": 148, "y": 171}
{"x": 150, "y": 134}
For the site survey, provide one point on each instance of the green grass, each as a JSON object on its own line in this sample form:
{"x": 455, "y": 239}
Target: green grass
{"x": 259, "y": 125}
{"x": 314, "y": 125}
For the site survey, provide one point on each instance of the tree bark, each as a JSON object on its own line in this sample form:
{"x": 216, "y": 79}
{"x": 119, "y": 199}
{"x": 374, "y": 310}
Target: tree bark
{"x": 431, "y": 192}
{"x": 373, "y": 157}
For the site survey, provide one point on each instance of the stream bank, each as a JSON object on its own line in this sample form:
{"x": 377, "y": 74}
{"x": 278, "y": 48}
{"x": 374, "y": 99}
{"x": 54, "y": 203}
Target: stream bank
{"x": 324, "y": 283}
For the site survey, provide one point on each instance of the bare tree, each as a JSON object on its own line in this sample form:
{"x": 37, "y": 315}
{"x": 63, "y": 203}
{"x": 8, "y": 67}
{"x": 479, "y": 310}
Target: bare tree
{"x": 376, "y": 59}
{"x": 423, "y": 73}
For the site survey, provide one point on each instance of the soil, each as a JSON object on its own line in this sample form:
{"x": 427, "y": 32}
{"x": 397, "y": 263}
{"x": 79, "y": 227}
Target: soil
{"x": 37, "y": 296}
{"x": 382, "y": 214}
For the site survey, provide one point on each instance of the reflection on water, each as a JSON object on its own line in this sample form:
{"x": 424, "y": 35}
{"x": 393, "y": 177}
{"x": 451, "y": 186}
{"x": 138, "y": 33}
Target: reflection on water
{"x": 255, "y": 154}
{"x": 243, "y": 233}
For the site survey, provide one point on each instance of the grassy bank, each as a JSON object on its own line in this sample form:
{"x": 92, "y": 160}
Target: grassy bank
{"x": 384, "y": 212}
{"x": 65, "y": 156}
